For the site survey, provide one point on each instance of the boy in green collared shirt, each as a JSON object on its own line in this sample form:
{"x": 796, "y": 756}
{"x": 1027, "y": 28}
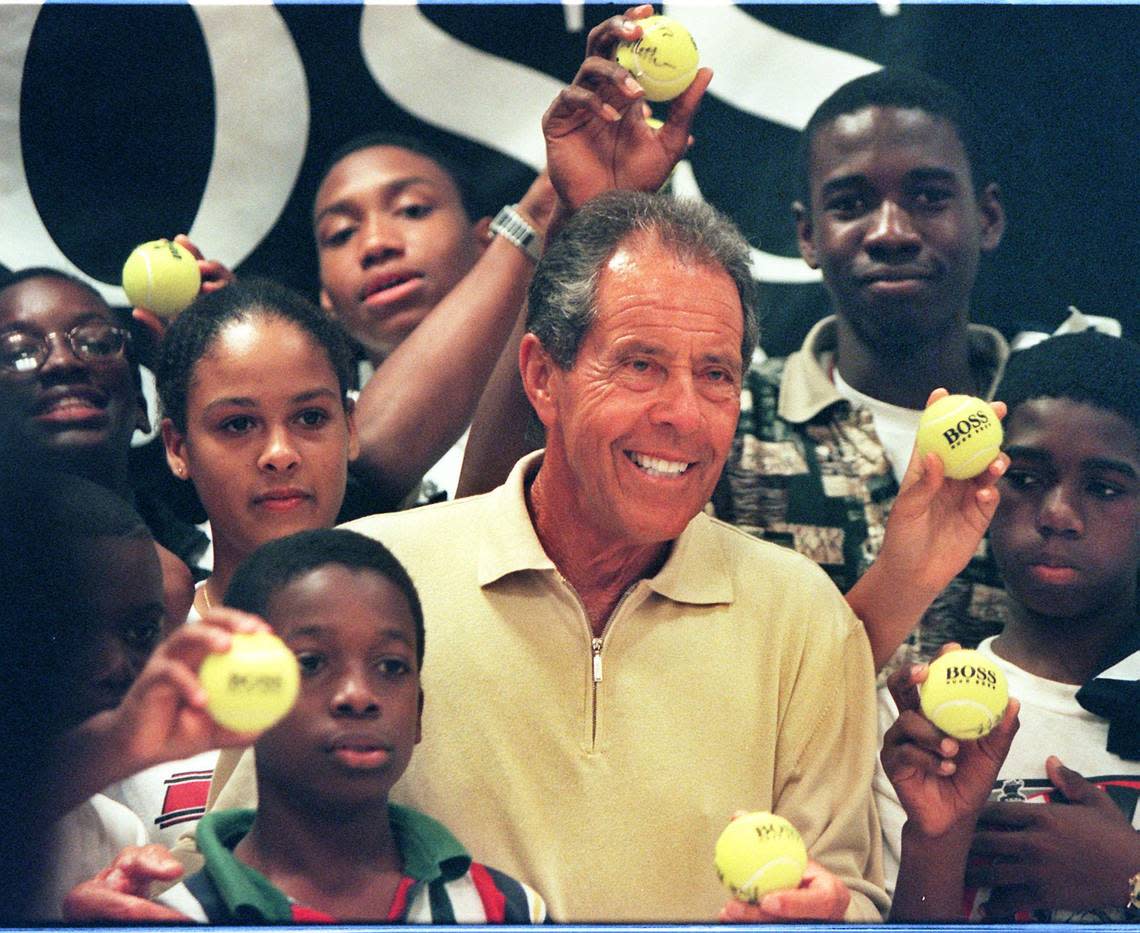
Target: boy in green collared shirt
{"x": 324, "y": 843}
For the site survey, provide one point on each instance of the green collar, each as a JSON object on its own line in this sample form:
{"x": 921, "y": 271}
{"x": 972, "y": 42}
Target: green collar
{"x": 428, "y": 849}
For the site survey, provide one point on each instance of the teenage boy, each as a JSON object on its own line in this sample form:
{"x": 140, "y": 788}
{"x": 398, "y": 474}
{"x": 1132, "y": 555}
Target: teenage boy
{"x": 325, "y": 844}
{"x": 1066, "y": 538}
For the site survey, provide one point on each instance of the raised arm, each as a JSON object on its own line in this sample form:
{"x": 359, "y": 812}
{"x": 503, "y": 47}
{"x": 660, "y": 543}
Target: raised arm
{"x": 934, "y": 528}
{"x": 163, "y": 717}
{"x": 422, "y": 396}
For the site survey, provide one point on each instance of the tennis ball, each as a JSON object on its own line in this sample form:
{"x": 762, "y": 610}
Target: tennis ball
{"x": 759, "y": 853}
{"x": 964, "y": 694}
{"x": 253, "y": 685}
{"x": 963, "y": 431}
{"x": 161, "y": 276}
{"x": 664, "y": 60}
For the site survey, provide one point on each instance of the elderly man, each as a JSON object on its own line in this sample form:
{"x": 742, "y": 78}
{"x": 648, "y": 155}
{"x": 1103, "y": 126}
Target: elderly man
{"x": 613, "y": 672}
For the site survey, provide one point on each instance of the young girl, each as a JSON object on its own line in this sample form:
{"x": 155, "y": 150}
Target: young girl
{"x": 253, "y": 382}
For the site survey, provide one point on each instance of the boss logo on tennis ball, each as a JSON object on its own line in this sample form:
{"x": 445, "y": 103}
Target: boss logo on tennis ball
{"x": 969, "y": 673}
{"x": 962, "y": 430}
{"x": 258, "y": 683}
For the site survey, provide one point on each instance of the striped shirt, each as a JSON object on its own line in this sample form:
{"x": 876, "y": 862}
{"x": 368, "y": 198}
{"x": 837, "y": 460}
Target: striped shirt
{"x": 441, "y": 884}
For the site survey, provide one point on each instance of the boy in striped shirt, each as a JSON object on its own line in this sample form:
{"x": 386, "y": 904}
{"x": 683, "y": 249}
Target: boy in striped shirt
{"x": 324, "y": 843}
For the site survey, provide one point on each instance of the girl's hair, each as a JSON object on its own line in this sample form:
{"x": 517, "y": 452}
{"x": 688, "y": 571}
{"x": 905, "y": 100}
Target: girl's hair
{"x": 195, "y": 330}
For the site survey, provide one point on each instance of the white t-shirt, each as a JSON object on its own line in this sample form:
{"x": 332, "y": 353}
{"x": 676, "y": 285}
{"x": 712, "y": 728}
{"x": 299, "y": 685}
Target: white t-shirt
{"x": 1052, "y": 723}
{"x": 897, "y": 427}
{"x": 83, "y": 842}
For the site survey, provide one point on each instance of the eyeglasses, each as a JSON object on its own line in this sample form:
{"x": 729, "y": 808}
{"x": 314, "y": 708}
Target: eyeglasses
{"x": 91, "y": 342}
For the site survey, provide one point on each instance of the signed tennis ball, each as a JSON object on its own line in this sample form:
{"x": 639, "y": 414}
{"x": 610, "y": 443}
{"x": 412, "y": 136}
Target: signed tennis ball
{"x": 965, "y": 694}
{"x": 161, "y": 276}
{"x": 963, "y": 431}
{"x": 253, "y": 685}
{"x": 759, "y": 853}
{"x": 664, "y": 60}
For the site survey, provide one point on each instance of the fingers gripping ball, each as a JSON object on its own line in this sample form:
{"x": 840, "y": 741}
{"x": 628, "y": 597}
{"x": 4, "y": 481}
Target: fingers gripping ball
{"x": 965, "y": 694}
{"x": 963, "y": 431}
{"x": 252, "y": 685}
{"x": 161, "y": 276}
{"x": 664, "y": 60}
{"x": 759, "y": 853}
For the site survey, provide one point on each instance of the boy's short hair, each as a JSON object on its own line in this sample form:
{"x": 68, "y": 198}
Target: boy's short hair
{"x": 1089, "y": 367}
{"x": 279, "y": 562}
{"x": 905, "y": 89}
{"x": 454, "y": 169}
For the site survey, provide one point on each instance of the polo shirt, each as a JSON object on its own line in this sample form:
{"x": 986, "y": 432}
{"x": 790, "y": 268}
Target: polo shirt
{"x": 441, "y": 883}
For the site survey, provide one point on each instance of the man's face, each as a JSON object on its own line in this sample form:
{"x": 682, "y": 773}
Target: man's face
{"x": 641, "y": 425}
{"x": 895, "y": 225}
{"x": 393, "y": 239}
{"x": 357, "y": 718}
{"x": 68, "y": 406}
{"x": 1066, "y": 534}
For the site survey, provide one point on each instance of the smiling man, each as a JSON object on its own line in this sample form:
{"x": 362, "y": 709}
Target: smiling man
{"x": 896, "y": 211}
{"x": 587, "y": 616}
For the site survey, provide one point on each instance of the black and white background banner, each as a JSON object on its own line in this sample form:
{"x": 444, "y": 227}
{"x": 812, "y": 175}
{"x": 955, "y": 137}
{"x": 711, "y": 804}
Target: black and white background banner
{"x": 122, "y": 123}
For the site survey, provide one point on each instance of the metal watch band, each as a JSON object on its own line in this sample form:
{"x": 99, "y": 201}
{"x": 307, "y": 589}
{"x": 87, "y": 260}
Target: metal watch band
{"x": 509, "y": 223}
{"x": 1134, "y": 893}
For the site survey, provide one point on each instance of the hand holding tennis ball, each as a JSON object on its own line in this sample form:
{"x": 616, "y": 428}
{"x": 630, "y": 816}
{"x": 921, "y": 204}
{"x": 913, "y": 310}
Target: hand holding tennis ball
{"x": 162, "y": 277}
{"x": 964, "y": 694}
{"x": 664, "y": 60}
{"x": 253, "y": 685}
{"x": 965, "y": 433}
{"x": 759, "y": 853}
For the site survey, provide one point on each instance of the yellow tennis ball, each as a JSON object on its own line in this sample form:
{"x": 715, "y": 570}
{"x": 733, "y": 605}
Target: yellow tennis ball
{"x": 161, "y": 276}
{"x": 664, "y": 60}
{"x": 253, "y": 685}
{"x": 963, "y": 431}
{"x": 759, "y": 853}
{"x": 965, "y": 694}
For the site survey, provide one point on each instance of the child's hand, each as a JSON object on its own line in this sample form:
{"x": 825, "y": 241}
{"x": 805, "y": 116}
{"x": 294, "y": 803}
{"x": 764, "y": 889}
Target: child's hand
{"x": 942, "y": 782}
{"x": 163, "y": 717}
{"x": 596, "y": 135}
{"x": 1041, "y": 856}
{"x": 119, "y": 893}
{"x": 936, "y": 523}
{"x": 214, "y": 274}
{"x": 820, "y": 896}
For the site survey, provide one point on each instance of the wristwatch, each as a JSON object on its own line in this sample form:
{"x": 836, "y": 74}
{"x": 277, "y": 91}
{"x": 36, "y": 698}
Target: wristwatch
{"x": 509, "y": 223}
{"x": 1134, "y": 893}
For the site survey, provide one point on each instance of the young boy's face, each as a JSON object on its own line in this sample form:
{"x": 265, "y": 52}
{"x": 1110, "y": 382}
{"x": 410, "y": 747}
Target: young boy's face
{"x": 1066, "y": 535}
{"x": 118, "y": 588}
{"x": 393, "y": 238}
{"x": 351, "y": 734}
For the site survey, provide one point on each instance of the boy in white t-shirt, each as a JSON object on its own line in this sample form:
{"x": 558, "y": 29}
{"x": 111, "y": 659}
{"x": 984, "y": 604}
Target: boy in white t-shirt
{"x": 969, "y": 838}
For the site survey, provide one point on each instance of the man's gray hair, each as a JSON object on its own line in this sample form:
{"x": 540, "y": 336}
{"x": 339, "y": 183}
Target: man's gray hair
{"x": 561, "y": 302}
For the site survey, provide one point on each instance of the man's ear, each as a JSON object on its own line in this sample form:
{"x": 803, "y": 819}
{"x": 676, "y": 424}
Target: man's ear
{"x": 175, "y": 444}
{"x": 992, "y": 215}
{"x": 481, "y": 230}
{"x": 804, "y": 233}
{"x": 539, "y": 372}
